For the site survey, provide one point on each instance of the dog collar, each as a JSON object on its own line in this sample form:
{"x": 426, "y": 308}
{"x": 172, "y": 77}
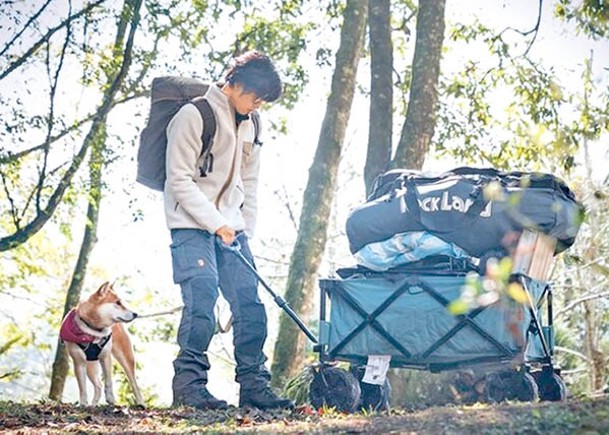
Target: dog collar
{"x": 90, "y": 326}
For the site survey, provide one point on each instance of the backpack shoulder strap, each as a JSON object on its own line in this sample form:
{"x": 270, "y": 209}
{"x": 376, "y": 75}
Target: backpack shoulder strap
{"x": 256, "y": 120}
{"x": 209, "y": 130}
{"x": 209, "y": 123}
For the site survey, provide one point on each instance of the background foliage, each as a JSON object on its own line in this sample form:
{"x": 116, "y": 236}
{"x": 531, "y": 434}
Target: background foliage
{"x": 502, "y": 103}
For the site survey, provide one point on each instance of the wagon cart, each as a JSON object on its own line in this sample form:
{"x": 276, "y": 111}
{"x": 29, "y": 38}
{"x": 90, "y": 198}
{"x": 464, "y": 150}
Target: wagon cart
{"x": 404, "y": 315}
{"x": 394, "y": 305}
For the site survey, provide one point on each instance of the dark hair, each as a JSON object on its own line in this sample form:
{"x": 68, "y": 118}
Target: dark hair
{"x": 256, "y": 73}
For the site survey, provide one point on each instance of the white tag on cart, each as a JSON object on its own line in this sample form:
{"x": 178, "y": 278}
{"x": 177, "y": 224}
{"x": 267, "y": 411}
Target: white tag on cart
{"x": 376, "y": 369}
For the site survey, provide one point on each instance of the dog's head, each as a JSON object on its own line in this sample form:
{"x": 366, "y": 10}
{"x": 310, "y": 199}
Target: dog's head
{"x": 104, "y": 307}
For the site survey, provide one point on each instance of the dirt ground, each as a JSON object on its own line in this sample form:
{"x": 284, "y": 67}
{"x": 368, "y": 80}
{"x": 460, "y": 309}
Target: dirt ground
{"x": 590, "y": 416}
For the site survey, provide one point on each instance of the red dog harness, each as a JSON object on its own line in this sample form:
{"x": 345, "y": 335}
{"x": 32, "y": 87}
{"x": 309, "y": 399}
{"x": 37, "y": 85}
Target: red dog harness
{"x": 71, "y": 332}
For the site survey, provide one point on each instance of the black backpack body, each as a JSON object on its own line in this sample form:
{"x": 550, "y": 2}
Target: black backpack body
{"x": 167, "y": 96}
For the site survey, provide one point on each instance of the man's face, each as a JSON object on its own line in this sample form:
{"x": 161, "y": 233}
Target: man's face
{"x": 245, "y": 103}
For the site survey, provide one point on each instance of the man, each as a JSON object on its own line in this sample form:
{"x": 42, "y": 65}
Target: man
{"x": 206, "y": 208}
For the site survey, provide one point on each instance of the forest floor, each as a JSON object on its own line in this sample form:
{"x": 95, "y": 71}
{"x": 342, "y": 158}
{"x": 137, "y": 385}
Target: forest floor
{"x": 589, "y": 416}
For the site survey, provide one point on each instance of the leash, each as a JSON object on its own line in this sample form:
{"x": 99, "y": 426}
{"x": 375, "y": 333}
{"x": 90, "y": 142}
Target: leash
{"x": 219, "y": 327}
{"x": 236, "y": 249}
{"x": 160, "y": 313}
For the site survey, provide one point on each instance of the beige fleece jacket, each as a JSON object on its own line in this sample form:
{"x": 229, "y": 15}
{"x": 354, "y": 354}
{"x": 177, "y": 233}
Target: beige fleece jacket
{"x": 227, "y": 195}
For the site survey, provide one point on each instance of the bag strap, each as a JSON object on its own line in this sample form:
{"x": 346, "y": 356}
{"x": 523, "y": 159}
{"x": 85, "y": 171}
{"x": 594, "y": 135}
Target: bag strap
{"x": 256, "y": 121}
{"x": 537, "y": 180}
{"x": 209, "y": 131}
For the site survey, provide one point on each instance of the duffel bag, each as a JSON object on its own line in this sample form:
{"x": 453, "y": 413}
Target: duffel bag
{"x": 478, "y": 209}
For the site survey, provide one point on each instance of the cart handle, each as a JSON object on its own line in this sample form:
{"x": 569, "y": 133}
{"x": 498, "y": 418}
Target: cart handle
{"x": 236, "y": 248}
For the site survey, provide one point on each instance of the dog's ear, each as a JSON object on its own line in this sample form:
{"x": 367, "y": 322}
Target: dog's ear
{"x": 104, "y": 288}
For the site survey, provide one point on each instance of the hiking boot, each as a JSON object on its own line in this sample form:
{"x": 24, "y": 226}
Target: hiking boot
{"x": 202, "y": 399}
{"x": 263, "y": 398}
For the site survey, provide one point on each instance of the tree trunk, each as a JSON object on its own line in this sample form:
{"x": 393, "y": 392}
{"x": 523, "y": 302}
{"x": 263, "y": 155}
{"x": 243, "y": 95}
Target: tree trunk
{"x": 97, "y": 138}
{"x": 595, "y": 355}
{"x": 593, "y": 251}
{"x": 381, "y": 92}
{"x": 312, "y": 233}
{"x": 419, "y": 127}
{"x": 61, "y": 362}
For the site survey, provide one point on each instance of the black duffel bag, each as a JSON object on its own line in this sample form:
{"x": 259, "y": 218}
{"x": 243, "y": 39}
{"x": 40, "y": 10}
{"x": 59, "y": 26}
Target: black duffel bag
{"x": 480, "y": 210}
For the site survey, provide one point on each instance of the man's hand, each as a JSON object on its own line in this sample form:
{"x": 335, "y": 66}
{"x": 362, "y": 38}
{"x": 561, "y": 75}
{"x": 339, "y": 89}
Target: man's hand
{"x": 227, "y": 234}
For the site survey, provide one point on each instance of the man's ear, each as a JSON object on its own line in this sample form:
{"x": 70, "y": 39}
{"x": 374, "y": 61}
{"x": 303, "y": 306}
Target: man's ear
{"x": 237, "y": 88}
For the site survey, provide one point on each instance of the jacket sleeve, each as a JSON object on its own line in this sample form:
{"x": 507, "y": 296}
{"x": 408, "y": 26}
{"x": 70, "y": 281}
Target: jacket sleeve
{"x": 183, "y": 150}
{"x": 249, "y": 175}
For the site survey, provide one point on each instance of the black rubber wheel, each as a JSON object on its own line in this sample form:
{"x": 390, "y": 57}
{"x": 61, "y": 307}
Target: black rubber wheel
{"x": 526, "y": 388}
{"x": 496, "y": 388}
{"x": 510, "y": 385}
{"x": 373, "y": 397}
{"x": 466, "y": 387}
{"x": 551, "y": 386}
{"x": 335, "y": 388}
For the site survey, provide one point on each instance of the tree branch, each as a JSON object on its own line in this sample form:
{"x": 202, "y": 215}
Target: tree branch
{"x": 51, "y": 116}
{"x": 534, "y": 30}
{"x": 23, "y": 58}
{"x": 572, "y": 352}
{"x": 43, "y": 215}
{"x": 25, "y": 27}
{"x": 14, "y": 157}
{"x": 580, "y": 300}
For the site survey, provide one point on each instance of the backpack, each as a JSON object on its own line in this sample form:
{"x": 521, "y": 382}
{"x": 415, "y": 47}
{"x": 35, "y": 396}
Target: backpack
{"x": 167, "y": 96}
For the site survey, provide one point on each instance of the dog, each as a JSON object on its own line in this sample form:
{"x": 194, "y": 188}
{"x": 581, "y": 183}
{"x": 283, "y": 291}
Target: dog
{"x": 93, "y": 332}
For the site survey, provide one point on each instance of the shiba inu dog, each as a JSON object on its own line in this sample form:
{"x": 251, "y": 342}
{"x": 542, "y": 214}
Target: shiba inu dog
{"x": 92, "y": 333}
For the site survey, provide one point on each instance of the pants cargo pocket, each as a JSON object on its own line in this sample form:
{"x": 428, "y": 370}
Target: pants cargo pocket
{"x": 192, "y": 254}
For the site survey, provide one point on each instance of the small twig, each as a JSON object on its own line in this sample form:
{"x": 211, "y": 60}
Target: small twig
{"x": 525, "y": 33}
{"x": 584, "y": 298}
{"x": 572, "y": 352}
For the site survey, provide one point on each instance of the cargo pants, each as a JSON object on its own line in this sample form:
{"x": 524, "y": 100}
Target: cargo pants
{"x": 201, "y": 266}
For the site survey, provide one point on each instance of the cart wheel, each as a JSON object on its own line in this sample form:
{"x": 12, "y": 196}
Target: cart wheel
{"x": 497, "y": 388}
{"x": 511, "y": 385}
{"x": 373, "y": 397}
{"x": 336, "y": 388}
{"x": 526, "y": 389}
{"x": 551, "y": 386}
{"x": 466, "y": 387}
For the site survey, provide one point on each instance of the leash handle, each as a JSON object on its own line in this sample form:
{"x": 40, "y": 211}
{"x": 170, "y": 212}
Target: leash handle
{"x": 235, "y": 246}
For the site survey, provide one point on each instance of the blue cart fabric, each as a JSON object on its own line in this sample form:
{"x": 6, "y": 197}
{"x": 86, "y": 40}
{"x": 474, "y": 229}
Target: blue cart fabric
{"x": 406, "y": 317}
